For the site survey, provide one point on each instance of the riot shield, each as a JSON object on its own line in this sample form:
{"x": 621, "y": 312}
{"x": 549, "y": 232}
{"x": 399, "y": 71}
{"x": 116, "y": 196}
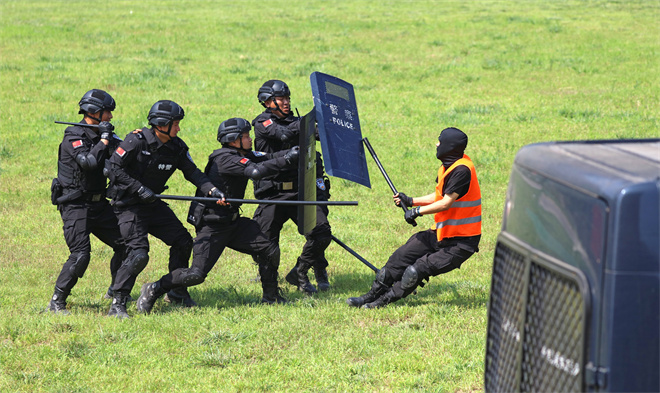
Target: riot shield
{"x": 339, "y": 128}
{"x": 307, "y": 173}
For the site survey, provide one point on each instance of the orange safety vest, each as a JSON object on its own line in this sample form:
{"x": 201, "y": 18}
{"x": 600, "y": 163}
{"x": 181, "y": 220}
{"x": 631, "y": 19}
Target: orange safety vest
{"x": 463, "y": 218}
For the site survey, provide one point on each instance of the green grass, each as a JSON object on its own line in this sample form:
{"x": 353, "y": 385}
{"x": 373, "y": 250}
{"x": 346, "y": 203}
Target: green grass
{"x": 507, "y": 73}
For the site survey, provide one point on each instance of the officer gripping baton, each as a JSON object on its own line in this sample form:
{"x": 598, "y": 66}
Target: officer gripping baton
{"x": 387, "y": 178}
{"x": 257, "y": 201}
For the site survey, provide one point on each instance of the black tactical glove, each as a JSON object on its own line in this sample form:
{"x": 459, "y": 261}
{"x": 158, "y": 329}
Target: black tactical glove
{"x": 146, "y": 195}
{"x": 412, "y": 214}
{"x": 285, "y": 134}
{"x": 405, "y": 199}
{"x": 106, "y": 130}
{"x": 215, "y": 193}
{"x": 291, "y": 157}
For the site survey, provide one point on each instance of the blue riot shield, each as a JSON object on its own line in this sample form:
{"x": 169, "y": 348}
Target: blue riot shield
{"x": 339, "y": 128}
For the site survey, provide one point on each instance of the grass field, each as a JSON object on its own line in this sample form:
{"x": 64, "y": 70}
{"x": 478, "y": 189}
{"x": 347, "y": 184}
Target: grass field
{"x": 508, "y": 73}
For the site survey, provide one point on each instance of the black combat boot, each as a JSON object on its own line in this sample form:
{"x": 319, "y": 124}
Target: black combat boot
{"x": 118, "y": 306}
{"x": 376, "y": 291}
{"x": 382, "y": 301}
{"x": 303, "y": 281}
{"x": 108, "y": 295}
{"x": 58, "y": 302}
{"x": 181, "y": 297}
{"x": 149, "y": 293}
{"x": 292, "y": 276}
{"x": 272, "y": 294}
{"x": 321, "y": 278}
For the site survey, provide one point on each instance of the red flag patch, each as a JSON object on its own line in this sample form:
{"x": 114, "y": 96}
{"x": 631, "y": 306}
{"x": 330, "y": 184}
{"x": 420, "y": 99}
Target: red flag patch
{"x": 120, "y": 151}
{"x": 244, "y": 161}
{"x": 77, "y": 144}
{"x": 267, "y": 122}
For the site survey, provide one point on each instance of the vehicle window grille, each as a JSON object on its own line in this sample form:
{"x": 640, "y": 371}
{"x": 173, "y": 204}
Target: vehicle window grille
{"x": 552, "y": 345}
{"x": 505, "y": 320}
{"x": 535, "y": 325}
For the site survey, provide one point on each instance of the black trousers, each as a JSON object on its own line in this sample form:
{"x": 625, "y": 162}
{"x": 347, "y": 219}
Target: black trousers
{"x": 243, "y": 235}
{"x": 429, "y": 257}
{"x": 271, "y": 218}
{"x": 136, "y": 222}
{"x": 79, "y": 221}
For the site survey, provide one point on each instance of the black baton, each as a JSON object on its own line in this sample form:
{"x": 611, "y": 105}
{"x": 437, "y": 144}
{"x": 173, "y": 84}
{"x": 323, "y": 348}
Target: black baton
{"x": 257, "y": 201}
{"x": 355, "y": 254}
{"x": 77, "y": 124}
{"x": 387, "y": 178}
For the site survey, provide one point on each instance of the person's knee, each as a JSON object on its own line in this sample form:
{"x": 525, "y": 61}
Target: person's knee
{"x": 410, "y": 278}
{"x": 80, "y": 261}
{"x": 319, "y": 240}
{"x": 194, "y": 276}
{"x": 270, "y": 256}
{"x": 384, "y": 277}
{"x": 136, "y": 261}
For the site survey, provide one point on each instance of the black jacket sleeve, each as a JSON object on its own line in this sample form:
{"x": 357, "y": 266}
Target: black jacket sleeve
{"x": 193, "y": 174}
{"x": 123, "y": 157}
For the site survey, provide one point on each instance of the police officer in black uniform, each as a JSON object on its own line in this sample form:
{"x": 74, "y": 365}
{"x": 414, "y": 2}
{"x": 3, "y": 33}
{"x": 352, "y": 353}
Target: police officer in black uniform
{"x": 229, "y": 168}
{"x": 278, "y": 129}
{"x": 138, "y": 169}
{"x": 79, "y": 192}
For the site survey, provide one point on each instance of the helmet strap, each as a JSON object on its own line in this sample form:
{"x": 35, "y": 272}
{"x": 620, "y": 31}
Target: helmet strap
{"x": 94, "y": 118}
{"x": 169, "y": 129}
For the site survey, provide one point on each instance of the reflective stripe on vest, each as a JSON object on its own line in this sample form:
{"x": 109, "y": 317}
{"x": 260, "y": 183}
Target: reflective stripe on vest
{"x": 463, "y": 218}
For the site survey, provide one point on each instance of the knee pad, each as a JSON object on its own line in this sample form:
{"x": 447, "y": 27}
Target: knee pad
{"x": 383, "y": 277}
{"x": 137, "y": 261}
{"x": 80, "y": 263}
{"x": 194, "y": 276}
{"x": 410, "y": 278}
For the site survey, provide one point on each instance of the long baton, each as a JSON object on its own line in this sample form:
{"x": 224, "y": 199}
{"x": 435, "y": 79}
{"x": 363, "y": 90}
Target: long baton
{"x": 355, "y": 254}
{"x": 77, "y": 124}
{"x": 257, "y": 201}
{"x": 387, "y": 178}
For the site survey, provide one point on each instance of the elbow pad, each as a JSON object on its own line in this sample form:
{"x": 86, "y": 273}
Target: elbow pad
{"x": 86, "y": 161}
{"x": 254, "y": 172}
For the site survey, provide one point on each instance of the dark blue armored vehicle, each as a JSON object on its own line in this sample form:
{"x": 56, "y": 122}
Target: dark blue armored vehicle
{"x": 575, "y": 298}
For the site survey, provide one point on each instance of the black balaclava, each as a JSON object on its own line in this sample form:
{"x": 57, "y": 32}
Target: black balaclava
{"x": 452, "y": 146}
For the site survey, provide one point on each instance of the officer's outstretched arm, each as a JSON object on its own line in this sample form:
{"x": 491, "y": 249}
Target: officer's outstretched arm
{"x": 256, "y": 171}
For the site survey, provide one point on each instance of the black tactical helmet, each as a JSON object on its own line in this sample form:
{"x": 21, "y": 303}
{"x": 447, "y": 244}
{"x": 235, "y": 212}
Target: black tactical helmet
{"x": 231, "y": 129}
{"x": 95, "y": 101}
{"x": 273, "y": 88}
{"x": 165, "y": 112}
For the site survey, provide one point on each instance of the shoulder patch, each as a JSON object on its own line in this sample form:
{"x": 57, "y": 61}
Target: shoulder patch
{"x": 77, "y": 144}
{"x": 244, "y": 160}
{"x": 267, "y": 122}
{"x": 121, "y": 152}
{"x": 258, "y": 153}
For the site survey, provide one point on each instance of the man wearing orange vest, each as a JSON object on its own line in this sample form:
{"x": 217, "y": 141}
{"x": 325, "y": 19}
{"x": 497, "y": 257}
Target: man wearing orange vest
{"x": 455, "y": 236}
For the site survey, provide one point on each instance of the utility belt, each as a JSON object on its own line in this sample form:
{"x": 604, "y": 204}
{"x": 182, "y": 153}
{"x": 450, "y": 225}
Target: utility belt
{"x": 270, "y": 185}
{"x": 199, "y": 214}
{"x": 60, "y": 195}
